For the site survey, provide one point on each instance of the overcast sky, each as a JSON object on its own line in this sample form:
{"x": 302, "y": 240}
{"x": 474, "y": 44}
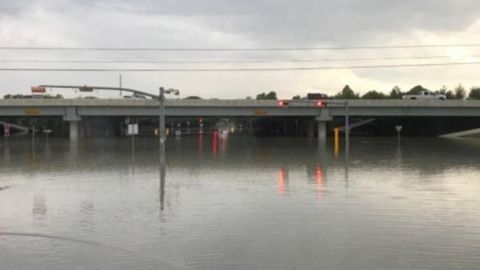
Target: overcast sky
{"x": 245, "y": 24}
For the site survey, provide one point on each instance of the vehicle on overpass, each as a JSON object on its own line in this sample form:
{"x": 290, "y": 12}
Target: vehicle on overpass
{"x": 193, "y": 97}
{"x": 311, "y": 96}
{"x": 135, "y": 97}
{"x": 425, "y": 95}
{"x": 20, "y": 96}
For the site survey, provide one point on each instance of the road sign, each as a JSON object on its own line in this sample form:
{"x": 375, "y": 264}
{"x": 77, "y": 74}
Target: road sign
{"x": 132, "y": 129}
{"x": 38, "y": 89}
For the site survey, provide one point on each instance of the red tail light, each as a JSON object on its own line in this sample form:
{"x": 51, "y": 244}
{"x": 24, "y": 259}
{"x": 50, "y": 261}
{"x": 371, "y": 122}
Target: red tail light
{"x": 320, "y": 103}
{"x": 282, "y": 103}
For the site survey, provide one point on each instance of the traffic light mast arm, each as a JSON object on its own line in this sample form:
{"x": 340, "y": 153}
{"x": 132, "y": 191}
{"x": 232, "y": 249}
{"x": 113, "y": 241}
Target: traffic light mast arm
{"x": 135, "y": 92}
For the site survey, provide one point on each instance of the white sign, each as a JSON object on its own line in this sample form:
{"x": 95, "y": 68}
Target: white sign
{"x": 132, "y": 129}
{"x": 6, "y": 130}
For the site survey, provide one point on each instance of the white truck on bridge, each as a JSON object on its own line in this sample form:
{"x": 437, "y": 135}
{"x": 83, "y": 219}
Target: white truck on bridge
{"x": 425, "y": 95}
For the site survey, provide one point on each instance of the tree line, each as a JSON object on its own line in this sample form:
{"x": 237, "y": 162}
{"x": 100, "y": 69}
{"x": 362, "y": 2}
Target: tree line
{"x": 458, "y": 92}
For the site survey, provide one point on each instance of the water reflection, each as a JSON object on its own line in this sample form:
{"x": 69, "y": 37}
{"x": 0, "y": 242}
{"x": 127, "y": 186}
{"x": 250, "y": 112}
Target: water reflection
{"x": 162, "y": 167}
{"x": 231, "y": 210}
{"x": 200, "y": 143}
{"x": 39, "y": 209}
{"x": 6, "y": 151}
{"x": 319, "y": 177}
{"x": 214, "y": 142}
{"x": 282, "y": 183}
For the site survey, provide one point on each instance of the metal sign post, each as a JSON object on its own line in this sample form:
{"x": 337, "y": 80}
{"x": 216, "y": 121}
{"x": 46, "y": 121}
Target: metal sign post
{"x": 132, "y": 130}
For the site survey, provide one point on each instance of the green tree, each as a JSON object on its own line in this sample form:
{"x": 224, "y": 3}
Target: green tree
{"x": 448, "y": 93}
{"x": 416, "y": 90}
{"x": 261, "y": 96}
{"x": 297, "y": 97}
{"x": 347, "y": 93}
{"x": 270, "y": 95}
{"x": 460, "y": 92}
{"x": 474, "y": 93}
{"x": 396, "y": 93}
{"x": 373, "y": 95}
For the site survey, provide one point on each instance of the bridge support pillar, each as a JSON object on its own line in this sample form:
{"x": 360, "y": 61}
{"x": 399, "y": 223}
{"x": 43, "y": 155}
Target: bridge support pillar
{"x": 73, "y": 119}
{"x": 73, "y": 130}
{"x": 322, "y": 131}
{"x": 322, "y": 120}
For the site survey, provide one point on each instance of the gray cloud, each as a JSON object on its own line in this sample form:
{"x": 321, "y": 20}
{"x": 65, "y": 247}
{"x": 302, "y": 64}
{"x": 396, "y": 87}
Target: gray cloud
{"x": 221, "y": 23}
{"x": 291, "y": 22}
{"x": 313, "y": 21}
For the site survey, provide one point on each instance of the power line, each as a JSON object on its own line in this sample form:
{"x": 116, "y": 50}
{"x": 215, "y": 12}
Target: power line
{"x": 370, "y": 47}
{"x": 219, "y": 61}
{"x": 235, "y": 69}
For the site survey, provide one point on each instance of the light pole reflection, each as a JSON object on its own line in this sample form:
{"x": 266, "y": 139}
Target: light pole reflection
{"x": 347, "y": 157}
{"x": 162, "y": 175}
{"x": 6, "y": 153}
{"x": 200, "y": 142}
{"x": 223, "y": 145}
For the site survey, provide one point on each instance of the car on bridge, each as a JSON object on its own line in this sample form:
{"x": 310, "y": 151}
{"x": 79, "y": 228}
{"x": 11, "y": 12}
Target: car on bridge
{"x": 425, "y": 95}
{"x": 316, "y": 96}
{"x": 193, "y": 97}
{"x": 20, "y": 96}
{"x": 135, "y": 97}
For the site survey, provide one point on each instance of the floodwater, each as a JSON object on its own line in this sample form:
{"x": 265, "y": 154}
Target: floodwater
{"x": 240, "y": 203}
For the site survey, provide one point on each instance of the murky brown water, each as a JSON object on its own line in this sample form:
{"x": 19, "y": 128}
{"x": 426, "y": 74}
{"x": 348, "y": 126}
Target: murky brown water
{"x": 241, "y": 203}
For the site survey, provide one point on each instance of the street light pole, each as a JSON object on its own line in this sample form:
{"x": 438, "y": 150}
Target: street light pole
{"x": 161, "y": 118}
{"x": 347, "y": 128}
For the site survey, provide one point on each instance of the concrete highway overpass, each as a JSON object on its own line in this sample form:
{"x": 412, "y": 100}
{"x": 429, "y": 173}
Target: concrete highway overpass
{"x": 72, "y": 110}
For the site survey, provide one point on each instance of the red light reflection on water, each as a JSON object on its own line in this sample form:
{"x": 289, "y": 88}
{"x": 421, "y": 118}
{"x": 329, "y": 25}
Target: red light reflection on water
{"x": 319, "y": 177}
{"x": 214, "y": 142}
{"x": 282, "y": 181}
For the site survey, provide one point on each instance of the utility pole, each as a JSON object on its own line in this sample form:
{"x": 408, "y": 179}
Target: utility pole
{"x": 120, "y": 83}
{"x": 347, "y": 129}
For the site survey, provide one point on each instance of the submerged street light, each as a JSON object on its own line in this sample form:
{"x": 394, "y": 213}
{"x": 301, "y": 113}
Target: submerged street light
{"x": 161, "y": 117}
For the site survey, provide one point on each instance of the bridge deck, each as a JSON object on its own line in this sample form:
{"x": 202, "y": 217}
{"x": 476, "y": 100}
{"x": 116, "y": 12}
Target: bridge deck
{"x": 125, "y": 107}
